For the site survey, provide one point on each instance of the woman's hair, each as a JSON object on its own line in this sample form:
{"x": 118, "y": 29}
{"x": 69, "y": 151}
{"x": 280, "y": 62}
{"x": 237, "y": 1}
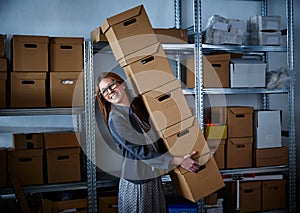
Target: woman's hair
{"x": 104, "y": 105}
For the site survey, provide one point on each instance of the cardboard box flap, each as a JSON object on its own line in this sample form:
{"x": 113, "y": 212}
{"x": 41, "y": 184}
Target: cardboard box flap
{"x": 29, "y": 76}
{"x": 179, "y": 128}
{"x": 30, "y": 153}
{"x": 67, "y": 75}
{"x": 272, "y": 152}
{"x": 241, "y": 110}
{"x": 274, "y": 185}
{"x": 246, "y": 61}
{"x": 31, "y": 39}
{"x": 124, "y": 16}
{"x": 217, "y": 57}
{"x": 64, "y": 153}
{"x": 3, "y": 75}
{"x": 61, "y": 140}
{"x": 250, "y": 186}
{"x": 241, "y": 141}
{"x": 66, "y": 40}
{"x": 143, "y": 55}
{"x": 161, "y": 92}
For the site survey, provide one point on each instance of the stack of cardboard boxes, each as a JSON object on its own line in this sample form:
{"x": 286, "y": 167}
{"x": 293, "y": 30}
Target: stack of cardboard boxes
{"x": 32, "y": 58}
{"x": 138, "y": 51}
{"x": 3, "y": 71}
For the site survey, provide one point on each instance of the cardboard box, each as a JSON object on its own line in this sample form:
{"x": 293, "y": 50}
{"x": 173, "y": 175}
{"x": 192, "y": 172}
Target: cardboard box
{"x": 128, "y": 32}
{"x": 97, "y": 35}
{"x": 108, "y": 204}
{"x": 239, "y": 122}
{"x": 239, "y": 152}
{"x": 149, "y": 70}
{"x": 30, "y": 53}
{"x": 3, "y": 79}
{"x": 28, "y": 89}
{"x": 247, "y": 73}
{"x": 267, "y": 128}
{"x": 28, "y": 141}
{"x": 74, "y": 205}
{"x": 66, "y": 89}
{"x": 2, "y": 46}
{"x": 215, "y": 131}
{"x": 3, "y": 64}
{"x": 26, "y": 165}
{"x": 185, "y": 137}
{"x": 66, "y": 54}
{"x": 250, "y": 196}
{"x": 215, "y": 71}
{"x": 264, "y": 23}
{"x": 63, "y": 165}
{"x": 3, "y": 167}
{"x": 195, "y": 186}
{"x": 271, "y": 156}
{"x": 61, "y": 140}
{"x": 171, "y": 35}
{"x": 273, "y": 194}
{"x": 217, "y": 147}
{"x": 167, "y": 105}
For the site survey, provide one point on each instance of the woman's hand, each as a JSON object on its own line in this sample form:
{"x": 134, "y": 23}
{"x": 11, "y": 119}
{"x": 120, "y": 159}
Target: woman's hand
{"x": 187, "y": 162}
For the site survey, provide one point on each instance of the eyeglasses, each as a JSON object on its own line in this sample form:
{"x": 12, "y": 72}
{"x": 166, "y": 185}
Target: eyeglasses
{"x": 113, "y": 85}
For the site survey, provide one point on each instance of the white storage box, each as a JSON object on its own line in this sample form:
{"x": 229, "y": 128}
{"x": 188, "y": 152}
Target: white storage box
{"x": 247, "y": 73}
{"x": 267, "y": 129}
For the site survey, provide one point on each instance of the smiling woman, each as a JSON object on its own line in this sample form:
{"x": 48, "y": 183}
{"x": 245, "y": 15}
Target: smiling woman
{"x": 144, "y": 153}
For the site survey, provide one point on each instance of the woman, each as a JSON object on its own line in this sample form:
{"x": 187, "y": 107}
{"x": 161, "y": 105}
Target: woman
{"x": 140, "y": 187}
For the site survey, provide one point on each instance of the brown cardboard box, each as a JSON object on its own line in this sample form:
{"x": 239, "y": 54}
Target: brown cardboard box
{"x": 30, "y": 53}
{"x": 61, "y": 140}
{"x": 239, "y": 152}
{"x": 108, "y": 204}
{"x": 185, "y": 137}
{"x": 217, "y": 147}
{"x": 28, "y": 89}
{"x": 3, "y": 64}
{"x": 3, "y": 77}
{"x": 28, "y": 141}
{"x": 250, "y": 196}
{"x": 195, "y": 186}
{"x": 240, "y": 121}
{"x": 3, "y": 167}
{"x": 149, "y": 69}
{"x": 66, "y": 54}
{"x": 63, "y": 157}
{"x": 74, "y": 205}
{"x": 215, "y": 131}
{"x": 273, "y": 194}
{"x": 26, "y": 165}
{"x": 270, "y": 156}
{"x": 215, "y": 71}
{"x": 2, "y": 46}
{"x": 167, "y": 105}
{"x": 97, "y": 35}
{"x": 128, "y": 32}
{"x": 63, "y": 165}
{"x": 66, "y": 89}
{"x": 171, "y": 35}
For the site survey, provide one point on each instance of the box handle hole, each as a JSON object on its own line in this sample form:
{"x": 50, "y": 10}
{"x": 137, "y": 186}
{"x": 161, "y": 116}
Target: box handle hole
{"x": 23, "y": 160}
{"x": 147, "y": 60}
{"x": 30, "y": 45}
{"x": 28, "y": 82}
{"x": 67, "y": 82}
{"x": 164, "y": 97}
{"x": 129, "y": 22}
{"x": 66, "y": 47}
{"x": 64, "y": 157}
{"x": 182, "y": 133}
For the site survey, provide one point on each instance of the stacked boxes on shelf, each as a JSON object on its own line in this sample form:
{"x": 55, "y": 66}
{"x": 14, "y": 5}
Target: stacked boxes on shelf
{"x": 3, "y": 167}
{"x": 264, "y": 30}
{"x": 66, "y": 72}
{"x": 30, "y": 67}
{"x": 27, "y": 156}
{"x": 138, "y": 51}
{"x": 3, "y": 71}
{"x": 62, "y": 157}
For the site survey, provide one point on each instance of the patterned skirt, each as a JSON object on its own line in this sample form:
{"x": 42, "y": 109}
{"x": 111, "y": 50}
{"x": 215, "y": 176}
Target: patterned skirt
{"x": 141, "y": 198}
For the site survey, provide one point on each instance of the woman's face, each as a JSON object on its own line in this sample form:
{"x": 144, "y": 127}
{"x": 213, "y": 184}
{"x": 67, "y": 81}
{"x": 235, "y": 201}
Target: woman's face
{"x": 113, "y": 91}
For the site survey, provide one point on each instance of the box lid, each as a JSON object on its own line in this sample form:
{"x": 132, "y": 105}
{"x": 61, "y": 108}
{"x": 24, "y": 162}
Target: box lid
{"x": 67, "y": 75}
{"x": 30, "y": 39}
{"x": 26, "y": 153}
{"x": 217, "y": 57}
{"x": 241, "y": 61}
{"x": 160, "y": 92}
{"x": 271, "y": 152}
{"x": 29, "y": 76}
{"x": 66, "y": 40}
{"x": 241, "y": 110}
{"x": 241, "y": 141}
{"x": 180, "y": 127}
{"x": 61, "y": 140}
{"x": 129, "y": 14}
{"x": 250, "y": 185}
